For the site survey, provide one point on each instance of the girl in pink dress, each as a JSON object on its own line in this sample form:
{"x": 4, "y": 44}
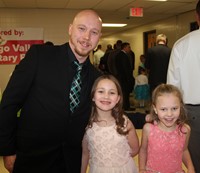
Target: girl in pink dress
{"x": 164, "y": 144}
{"x": 110, "y": 141}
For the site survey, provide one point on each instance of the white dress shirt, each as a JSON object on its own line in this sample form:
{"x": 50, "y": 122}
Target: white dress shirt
{"x": 184, "y": 67}
{"x": 97, "y": 56}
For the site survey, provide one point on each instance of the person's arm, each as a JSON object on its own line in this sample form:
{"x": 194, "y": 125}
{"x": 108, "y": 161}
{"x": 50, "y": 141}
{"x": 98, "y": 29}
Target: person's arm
{"x": 142, "y": 158}
{"x": 147, "y": 61}
{"x": 85, "y": 155}
{"x": 132, "y": 138}
{"x": 136, "y": 82}
{"x": 13, "y": 98}
{"x": 9, "y": 162}
{"x": 173, "y": 72}
{"x": 186, "y": 155}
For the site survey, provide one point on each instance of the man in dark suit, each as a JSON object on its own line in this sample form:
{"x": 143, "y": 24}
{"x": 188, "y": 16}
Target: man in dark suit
{"x": 125, "y": 73}
{"x": 47, "y": 136}
{"x": 157, "y": 60}
{"x": 112, "y": 58}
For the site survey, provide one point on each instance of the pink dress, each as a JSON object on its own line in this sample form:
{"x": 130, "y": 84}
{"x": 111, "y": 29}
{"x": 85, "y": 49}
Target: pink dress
{"x": 109, "y": 151}
{"x": 165, "y": 150}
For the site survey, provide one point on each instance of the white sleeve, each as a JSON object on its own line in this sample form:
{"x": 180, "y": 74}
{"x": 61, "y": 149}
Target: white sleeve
{"x": 173, "y": 74}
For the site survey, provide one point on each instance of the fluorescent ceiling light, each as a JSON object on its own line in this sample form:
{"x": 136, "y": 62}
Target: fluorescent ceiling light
{"x": 113, "y": 24}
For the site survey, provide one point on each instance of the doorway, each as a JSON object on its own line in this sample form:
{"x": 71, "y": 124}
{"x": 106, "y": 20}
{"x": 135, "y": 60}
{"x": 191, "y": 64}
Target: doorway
{"x": 149, "y": 40}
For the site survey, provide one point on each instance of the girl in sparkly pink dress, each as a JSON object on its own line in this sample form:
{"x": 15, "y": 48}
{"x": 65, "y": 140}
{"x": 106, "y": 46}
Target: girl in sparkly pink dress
{"x": 164, "y": 143}
{"x": 110, "y": 140}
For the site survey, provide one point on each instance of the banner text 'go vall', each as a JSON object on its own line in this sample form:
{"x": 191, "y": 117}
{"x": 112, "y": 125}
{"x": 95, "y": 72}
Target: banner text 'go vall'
{"x": 15, "y": 42}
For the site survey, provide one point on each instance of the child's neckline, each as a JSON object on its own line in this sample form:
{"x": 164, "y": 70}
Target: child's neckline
{"x": 167, "y": 131}
{"x": 104, "y": 123}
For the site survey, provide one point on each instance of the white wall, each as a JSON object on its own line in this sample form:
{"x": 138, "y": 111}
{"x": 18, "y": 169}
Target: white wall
{"x": 56, "y": 22}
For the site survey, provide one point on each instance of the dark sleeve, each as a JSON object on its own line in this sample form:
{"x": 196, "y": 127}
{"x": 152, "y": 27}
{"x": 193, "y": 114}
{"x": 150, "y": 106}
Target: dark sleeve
{"x": 133, "y": 60}
{"x": 12, "y": 100}
{"x": 147, "y": 60}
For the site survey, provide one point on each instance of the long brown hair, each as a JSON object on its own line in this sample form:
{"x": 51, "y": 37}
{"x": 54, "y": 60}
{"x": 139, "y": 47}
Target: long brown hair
{"x": 117, "y": 111}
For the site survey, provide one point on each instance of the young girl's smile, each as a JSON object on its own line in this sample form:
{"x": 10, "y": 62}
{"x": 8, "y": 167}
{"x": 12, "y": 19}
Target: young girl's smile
{"x": 168, "y": 110}
{"x": 106, "y": 95}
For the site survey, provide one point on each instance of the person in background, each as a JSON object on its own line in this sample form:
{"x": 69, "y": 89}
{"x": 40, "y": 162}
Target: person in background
{"x": 142, "y": 64}
{"x": 97, "y": 55}
{"x": 164, "y": 144}
{"x": 104, "y": 60}
{"x": 112, "y": 58}
{"x": 141, "y": 89}
{"x": 47, "y": 136}
{"x": 125, "y": 74}
{"x": 50, "y": 43}
{"x": 157, "y": 60}
{"x": 110, "y": 141}
{"x": 109, "y": 48}
{"x": 184, "y": 72}
{"x": 132, "y": 59}
{"x": 0, "y": 94}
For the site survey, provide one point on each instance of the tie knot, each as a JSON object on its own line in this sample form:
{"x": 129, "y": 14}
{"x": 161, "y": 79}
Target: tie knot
{"x": 78, "y": 66}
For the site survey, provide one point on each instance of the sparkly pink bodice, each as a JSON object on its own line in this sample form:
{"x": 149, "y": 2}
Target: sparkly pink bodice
{"x": 165, "y": 150}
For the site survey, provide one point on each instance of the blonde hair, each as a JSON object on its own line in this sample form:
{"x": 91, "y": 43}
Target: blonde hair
{"x": 168, "y": 89}
{"x": 161, "y": 37}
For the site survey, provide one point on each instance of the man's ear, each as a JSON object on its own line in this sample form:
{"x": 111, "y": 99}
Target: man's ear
{"x": 69, "y": 29}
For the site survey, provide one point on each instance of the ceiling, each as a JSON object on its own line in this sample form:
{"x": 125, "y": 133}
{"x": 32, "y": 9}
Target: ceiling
{"x": 112, "y": 11}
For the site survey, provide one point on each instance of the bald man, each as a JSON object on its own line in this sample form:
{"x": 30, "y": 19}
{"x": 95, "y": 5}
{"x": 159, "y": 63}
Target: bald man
{"x": 46, "y": 137}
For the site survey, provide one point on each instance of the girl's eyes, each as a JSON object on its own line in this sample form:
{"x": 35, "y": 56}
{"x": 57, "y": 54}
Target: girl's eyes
{"x": 172, "y": 109}
{"x": 101, "y": 91}
{"x": 163, "y": 109}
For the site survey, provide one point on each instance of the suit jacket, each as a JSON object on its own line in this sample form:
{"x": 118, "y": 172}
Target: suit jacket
{"x": 46, "y": 131}
{"x": 157, "y": 60}
{"x": 112, "y": 61}
{"x": 124, "y": 71}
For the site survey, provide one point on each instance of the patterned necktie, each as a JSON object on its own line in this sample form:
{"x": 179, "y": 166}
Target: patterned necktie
{"x": 74, "y": 94}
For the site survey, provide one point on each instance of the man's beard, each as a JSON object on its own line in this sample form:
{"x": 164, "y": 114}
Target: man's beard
{"x": 82, "y": 53}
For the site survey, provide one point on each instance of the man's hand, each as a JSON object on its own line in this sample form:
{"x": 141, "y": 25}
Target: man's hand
{"x": 9, "y": 162}
{"x": 148, "y": 118}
